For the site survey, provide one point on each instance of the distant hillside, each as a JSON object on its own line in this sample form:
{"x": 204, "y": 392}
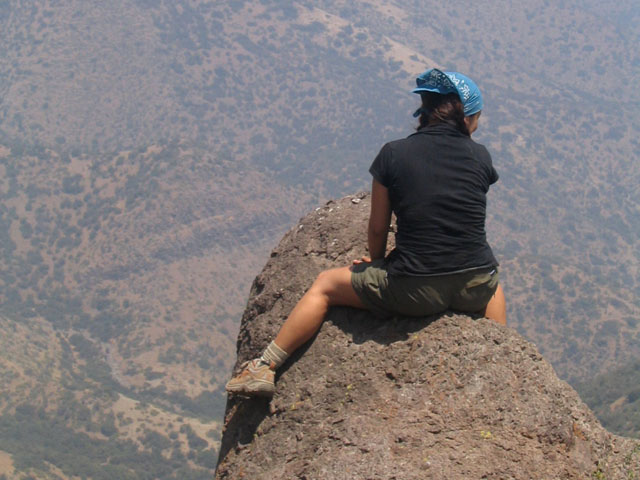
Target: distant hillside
{"x": 615, "y": 398}
{"x": 65, "y": 416}
{"x": 153, "y": 152}
{"x": 213, "y": 78}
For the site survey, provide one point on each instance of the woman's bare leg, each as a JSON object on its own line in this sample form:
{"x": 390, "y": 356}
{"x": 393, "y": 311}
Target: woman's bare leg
{"x": 331, "y": 288}
{"x": 496, "y": 309}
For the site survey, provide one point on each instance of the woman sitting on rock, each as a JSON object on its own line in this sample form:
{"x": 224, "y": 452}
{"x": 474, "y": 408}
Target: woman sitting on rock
{"x": 435, "y": 181}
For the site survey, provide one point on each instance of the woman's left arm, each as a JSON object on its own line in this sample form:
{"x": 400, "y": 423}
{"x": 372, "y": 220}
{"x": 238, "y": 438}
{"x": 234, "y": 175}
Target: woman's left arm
{"x": 379, "y": 220}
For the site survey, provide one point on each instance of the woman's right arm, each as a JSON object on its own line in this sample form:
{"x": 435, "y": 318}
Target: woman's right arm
{"x": 379, "y": 220}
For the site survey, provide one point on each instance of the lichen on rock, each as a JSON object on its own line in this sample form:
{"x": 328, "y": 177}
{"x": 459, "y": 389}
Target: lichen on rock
{"x": 448, "y": 396}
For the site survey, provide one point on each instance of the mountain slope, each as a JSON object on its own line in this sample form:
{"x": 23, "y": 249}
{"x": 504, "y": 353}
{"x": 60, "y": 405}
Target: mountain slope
{"x": 615, "y": 398}
{"x": 152, "y": 153}
{"x": 213, "y": 79}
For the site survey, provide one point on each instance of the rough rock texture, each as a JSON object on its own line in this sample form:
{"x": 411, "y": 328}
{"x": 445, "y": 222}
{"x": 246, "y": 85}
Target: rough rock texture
{"x": 443, "y": 397}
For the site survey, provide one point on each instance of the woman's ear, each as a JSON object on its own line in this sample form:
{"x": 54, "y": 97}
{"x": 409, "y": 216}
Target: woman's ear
{"x": 472, "y": 122}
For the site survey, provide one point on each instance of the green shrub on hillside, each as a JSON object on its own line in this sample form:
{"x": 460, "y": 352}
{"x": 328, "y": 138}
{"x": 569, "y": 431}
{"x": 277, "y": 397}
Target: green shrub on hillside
{"x": 615, "y": 399}
{"x": 35, "y": 440}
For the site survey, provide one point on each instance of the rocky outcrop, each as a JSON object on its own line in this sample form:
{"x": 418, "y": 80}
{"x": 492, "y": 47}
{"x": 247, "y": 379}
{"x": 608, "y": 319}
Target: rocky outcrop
{"x": 446, "y": 397}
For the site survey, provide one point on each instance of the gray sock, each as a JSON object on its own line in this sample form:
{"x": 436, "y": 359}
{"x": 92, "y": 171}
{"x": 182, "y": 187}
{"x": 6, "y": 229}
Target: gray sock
{"x": 273, "y": 353}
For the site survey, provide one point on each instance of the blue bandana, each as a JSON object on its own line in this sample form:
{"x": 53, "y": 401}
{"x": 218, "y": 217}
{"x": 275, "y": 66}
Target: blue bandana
{"x": 440, "y": 82}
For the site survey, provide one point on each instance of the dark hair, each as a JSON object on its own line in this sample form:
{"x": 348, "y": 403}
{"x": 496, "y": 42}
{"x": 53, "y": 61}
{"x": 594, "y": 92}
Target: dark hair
{"x": 437, "y": 108}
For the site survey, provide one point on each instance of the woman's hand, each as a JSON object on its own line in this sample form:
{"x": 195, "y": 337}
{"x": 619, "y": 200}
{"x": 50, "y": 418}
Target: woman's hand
{"x": 363, "y": 259}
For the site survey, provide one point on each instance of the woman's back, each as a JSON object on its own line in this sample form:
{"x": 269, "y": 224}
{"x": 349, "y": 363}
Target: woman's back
{"x": 437, "y": 180}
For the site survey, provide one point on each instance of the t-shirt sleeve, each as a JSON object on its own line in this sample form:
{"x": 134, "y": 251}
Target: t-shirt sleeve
{"x": 494, "y": 176}
{"x": 380, "y": 168}
{"x": 492, "y": 172}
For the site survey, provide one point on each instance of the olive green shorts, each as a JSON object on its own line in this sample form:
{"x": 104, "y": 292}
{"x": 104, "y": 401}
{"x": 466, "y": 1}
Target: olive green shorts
{"x": 389, "y": 295}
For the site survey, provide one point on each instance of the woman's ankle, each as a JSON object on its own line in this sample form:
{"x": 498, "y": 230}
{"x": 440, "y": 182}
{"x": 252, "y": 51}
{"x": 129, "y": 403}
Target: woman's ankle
{"x": 273, "y": 354}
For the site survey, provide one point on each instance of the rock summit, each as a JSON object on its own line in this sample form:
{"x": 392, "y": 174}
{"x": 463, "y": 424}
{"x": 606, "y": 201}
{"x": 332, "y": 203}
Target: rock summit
{"x": 444, "y": 397}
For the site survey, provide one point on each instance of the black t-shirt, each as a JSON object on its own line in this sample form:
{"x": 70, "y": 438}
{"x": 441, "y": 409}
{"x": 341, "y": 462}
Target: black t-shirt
{"x": 437, "y": 179}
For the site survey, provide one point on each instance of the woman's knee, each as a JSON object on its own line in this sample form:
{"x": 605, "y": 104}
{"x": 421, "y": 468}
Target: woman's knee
{"x": 335, "y": 286}
{"x": 326, "y": 281}
{"x": 496, "y": 308}
{"x": 321, "y": 282}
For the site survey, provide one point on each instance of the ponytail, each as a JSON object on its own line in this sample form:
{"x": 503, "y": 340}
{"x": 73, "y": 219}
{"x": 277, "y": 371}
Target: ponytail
{"x": 437, "y": 108}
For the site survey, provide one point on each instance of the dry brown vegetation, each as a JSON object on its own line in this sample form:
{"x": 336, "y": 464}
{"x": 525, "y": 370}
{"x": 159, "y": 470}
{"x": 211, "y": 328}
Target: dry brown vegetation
{"x": 152, "y": 154}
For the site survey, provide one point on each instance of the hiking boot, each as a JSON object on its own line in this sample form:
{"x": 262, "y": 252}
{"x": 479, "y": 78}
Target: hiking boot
{"x": 256, "y": 379}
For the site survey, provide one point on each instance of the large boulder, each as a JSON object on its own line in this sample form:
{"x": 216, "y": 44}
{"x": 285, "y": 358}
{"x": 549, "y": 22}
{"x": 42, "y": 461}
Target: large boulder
{"x": 445, "y": 397}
